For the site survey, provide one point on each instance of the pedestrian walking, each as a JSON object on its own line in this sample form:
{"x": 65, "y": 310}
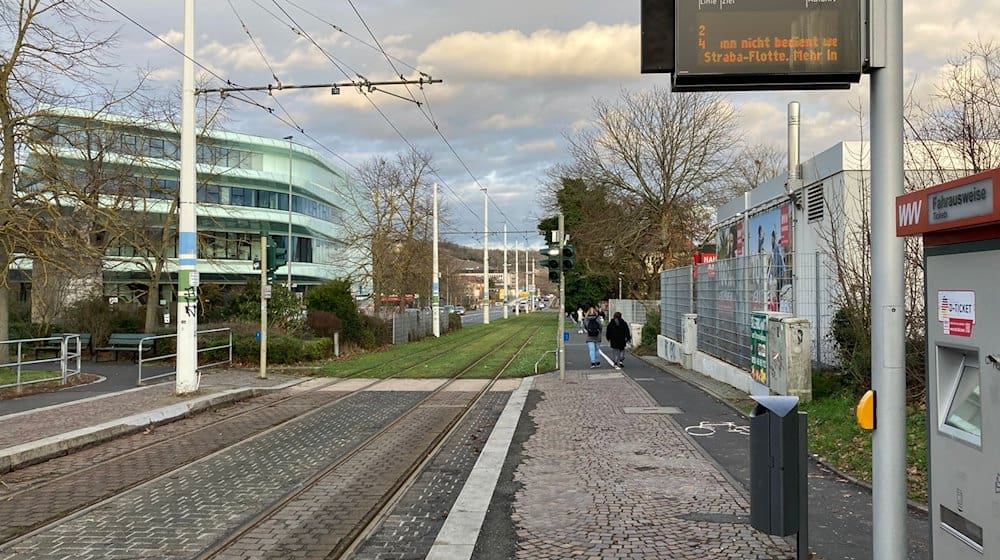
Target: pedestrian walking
{"x": 579, "y": 320}
{"x": 593, "y": 327}
{"x": 619, "y": 336}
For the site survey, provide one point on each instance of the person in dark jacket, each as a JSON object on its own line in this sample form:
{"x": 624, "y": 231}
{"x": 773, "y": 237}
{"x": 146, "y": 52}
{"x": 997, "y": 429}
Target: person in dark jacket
{"x": 619, "y": 335}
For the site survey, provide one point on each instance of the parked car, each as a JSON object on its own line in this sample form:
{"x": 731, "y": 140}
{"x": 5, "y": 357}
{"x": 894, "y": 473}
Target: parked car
{"x": 448, "y": 308}
{"x": 460, "y": 310}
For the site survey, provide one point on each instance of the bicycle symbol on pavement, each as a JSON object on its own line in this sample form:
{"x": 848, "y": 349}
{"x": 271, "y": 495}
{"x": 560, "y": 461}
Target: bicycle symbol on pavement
{"x": 706, "y": 428}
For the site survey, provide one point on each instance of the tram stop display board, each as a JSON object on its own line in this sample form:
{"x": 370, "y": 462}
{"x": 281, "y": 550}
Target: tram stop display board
{"x": 721, "y": 45}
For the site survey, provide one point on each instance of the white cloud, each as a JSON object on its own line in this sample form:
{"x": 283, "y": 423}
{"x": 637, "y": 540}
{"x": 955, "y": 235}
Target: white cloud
{"x": 590, "y": 51}
{"x": 541, "y": 146}
{"x": 504, "y": 122}
{"x": 168, "y": 74}
{"x": 172, "y": 37}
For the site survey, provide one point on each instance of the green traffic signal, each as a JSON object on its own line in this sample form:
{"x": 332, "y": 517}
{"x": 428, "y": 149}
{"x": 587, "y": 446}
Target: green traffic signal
{"x": 554, "y": 275}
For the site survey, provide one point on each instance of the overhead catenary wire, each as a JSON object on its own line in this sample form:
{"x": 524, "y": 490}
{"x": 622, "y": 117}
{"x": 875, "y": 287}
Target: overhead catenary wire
{"x": 429, "y": 115}
{"x": 300, "y": 31}
{"x": 238, "y": 97}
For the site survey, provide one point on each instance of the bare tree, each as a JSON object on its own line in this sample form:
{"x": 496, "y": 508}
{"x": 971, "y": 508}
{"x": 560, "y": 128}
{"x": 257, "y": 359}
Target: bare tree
{"x": 389, "y": 220}
{"x": 961, "y": 117}
{"x": 50, "y": 58}
{"x": 662, "y": 161}
{"x": 757, "y": 164}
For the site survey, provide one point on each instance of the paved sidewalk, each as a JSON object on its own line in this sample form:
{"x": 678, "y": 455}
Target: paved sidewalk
{"x": 606, "y": 476}
{"x": 49, "y": 431}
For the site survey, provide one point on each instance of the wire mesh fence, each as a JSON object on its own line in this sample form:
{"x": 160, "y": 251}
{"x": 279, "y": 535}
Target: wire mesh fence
{"x": 726, "y": 293}
{"x": 675, "y": 300}
{"x": 414, "y": 324}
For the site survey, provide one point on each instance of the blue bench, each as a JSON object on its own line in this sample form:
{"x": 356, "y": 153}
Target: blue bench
{"x": 125, "y": 343}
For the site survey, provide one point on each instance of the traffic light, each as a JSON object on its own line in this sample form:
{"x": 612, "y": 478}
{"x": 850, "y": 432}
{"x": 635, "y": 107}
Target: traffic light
{"x": 568, "y": 257}
{"x": 276, "y": 256}
{"x": 551, "y": 260}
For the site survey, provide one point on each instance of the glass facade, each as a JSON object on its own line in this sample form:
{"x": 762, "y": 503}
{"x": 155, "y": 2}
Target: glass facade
{"x": 141, "y": 162}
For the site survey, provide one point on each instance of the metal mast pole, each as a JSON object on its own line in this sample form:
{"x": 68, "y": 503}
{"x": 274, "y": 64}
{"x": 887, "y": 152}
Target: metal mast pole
{"x": 517, "y": 280}
{"x": 486, "y": 258}
{"x": 186, "y": 380}
{"x": 562, "y": 304}
{"x": 506, "y": 296}
{"x": 288, "y": 246}
{"x": 887, "y": 311}
{"x": 435, "y": 274}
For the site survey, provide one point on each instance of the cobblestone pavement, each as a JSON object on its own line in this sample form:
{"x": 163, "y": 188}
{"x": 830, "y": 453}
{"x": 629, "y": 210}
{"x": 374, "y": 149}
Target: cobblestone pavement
{"x": 35, "y": 495}
{"x": 322, "y": 521}
{"x": 598, "y": 483}
{"x": 53, "y": 421}
{"x": 180, "y": 515}
{"x": 408, "y": 532}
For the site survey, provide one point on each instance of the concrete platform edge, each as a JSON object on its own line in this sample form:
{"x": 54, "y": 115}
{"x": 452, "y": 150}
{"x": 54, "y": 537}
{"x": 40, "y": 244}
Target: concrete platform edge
{"x": 54, "y": 446}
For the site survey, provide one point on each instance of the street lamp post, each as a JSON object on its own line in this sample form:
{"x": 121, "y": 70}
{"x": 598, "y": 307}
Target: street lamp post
{"x": 288, "y": 247}
{"x": 619, "y": 285}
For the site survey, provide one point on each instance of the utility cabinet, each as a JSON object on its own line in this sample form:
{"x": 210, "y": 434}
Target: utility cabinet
{"x": 789, "y": 343}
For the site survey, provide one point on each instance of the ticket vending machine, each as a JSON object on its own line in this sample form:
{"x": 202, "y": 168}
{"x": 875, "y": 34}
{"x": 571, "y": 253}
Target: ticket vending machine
{"x": 960, "y": 225}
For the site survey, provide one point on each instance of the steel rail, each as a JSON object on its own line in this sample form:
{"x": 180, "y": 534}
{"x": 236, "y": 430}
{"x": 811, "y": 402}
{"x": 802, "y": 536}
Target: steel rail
{"x": 278, "y": 505}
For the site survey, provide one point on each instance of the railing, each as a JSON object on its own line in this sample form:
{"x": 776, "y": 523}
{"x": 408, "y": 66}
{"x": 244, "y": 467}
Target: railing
{"x": 145, "y": 360}
{"x": 675, "y": 300}
{"x": 65, "y": 359}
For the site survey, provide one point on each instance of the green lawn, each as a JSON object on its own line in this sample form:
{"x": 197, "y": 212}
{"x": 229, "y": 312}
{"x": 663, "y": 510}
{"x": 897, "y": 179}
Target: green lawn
{"x": 9, "y": 376}
{"x": 454, "y": 352}
{"x": 835, "y": 437}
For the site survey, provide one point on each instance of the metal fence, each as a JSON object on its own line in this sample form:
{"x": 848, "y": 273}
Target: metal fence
{"x": 675, "y": 301}
{"x": 415, "y": 324}
{"x": 633, "y": 310}
{"x": 58, "y": 368}
{"x": 725, "y": 293}
{"x": 213, "y": 338}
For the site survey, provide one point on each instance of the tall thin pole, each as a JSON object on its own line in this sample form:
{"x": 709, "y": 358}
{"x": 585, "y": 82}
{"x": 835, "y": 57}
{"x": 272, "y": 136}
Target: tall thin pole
{"x": 435, "y": 274}
{"x": 186, "y": 380}
{"x": 288, "y": 247}
{"x": 888, "y": 363}
{"x": 517, "y": 276}
{"x": 529, "y": 280}
{"x": 506, "y": 296}
{"x": 562, "y": 303}
{"x": 263, "y": 308}
{"x": 486, "y": 258}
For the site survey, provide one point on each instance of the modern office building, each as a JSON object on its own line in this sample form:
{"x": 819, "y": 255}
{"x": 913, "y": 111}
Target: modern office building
{"x": 247, "y": 185}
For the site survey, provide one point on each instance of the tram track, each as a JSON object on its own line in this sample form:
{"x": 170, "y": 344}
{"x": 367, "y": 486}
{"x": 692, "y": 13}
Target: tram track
{"x": 27, "y": 510}
{"x": 69, "y": 486}
{"x": 334, "y": 541}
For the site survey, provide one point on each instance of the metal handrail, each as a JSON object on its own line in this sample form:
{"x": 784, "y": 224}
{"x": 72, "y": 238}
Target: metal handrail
{"x": 164, "y": 357}
{"x": 63, "y": 359}
{"x": 547, "y": 352}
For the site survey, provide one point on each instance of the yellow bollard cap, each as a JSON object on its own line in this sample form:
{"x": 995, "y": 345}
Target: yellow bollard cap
{"x": 866, "y": 411}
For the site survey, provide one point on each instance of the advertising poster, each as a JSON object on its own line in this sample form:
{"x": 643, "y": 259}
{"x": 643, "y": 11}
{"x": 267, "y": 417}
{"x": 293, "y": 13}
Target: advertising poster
{"x": 769, "y": 243}
{"x": 758, "y": 347}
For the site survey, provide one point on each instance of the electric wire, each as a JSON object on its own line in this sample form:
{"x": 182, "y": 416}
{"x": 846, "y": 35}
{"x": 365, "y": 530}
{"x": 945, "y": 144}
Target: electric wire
{"x": 254, "y": 41}
{"x": 171, "y": 47}
{"x": 237, "y": 96}
{"x": 300, "y": 31}
{"x": 427, "y": 116}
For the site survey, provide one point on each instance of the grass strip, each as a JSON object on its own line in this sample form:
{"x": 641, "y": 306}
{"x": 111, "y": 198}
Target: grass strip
{"x": 9, "y": 376}
{"x": 403, "y": 355}
{"x": 460, "y": 357}
{"x": 835, "y": 437}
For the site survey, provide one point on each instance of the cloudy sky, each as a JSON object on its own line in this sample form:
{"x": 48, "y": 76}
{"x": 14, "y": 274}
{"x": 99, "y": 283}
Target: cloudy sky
{"x": 518, "y": 76}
